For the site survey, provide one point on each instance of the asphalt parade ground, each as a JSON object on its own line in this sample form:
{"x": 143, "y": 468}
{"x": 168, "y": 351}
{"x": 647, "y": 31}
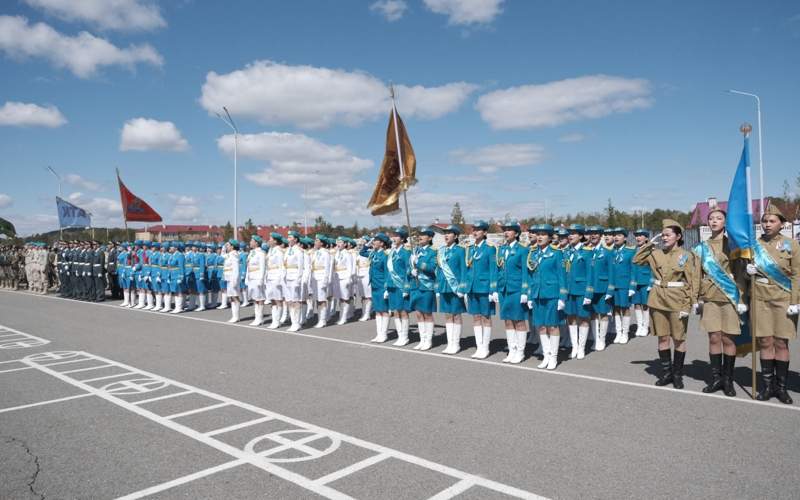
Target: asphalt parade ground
{"x": 98, "y": 401}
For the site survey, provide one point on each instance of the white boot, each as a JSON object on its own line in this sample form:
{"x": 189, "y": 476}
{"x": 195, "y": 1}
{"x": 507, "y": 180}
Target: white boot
{"x": 544, "y": 342}
{"x": 478, "y": 332}
{"x": 645, "y": 323}
{"x": 402, "y": 333}
{"x": 367, "y": 310}
{"x": 426, "y": 341}
{"x": 573, "y": 338}
{"x": 159, "y": 301}
{"x": 519, "y": 355}
{"x": 294, "y": 314}
{"x": 276, "y": 316}
{"x": 140, "y": 304}
{"x": 511, "y": 341}
{"x": 178, "y": 304}
{"x": 583, "y": 334}
{"x": 148, "y": 301}
{"x": 322, "y": 312}
{"x": 167, "y": 302}
{"x": 626, "y": 327}
{"x": 234, "y": 312}
{"x": 380, "y": 331}
{"x": 487, "y": 338}
{"x": 284, "y": 313}
{"x": 202, "y": 298}
{"x": 639, "y": 322}
{"x": 553, "y": 362}
{"x": 258, "y": 311}
{"x": 617, "y": 328}
{"x": 600, "y": 340}
{"x": 126, "y": 297}
{"x": 448, "y": 329}
{"x": 223, "y": 301}
{"x": 344, "y": 313}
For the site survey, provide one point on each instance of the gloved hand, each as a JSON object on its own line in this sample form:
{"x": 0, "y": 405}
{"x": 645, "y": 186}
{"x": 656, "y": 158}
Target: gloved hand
{"x": 438, "y": 295}
{"x": 386, "y": 294}
{"x": 493, "y": 297}
{"x": 609, "y": 296}
{"x": 561, "y": 305}
{"x": 405, "y": 295}
{"x": 587, "y": 301}
{"x": 793, "y": 310}
{"x": 649, "y": 288}
{"x": 530, "y": 305}
{"x": 752, "y": 269}
{"x": 741, "y": 308}
{"x": 683, "y": 314}
{"x": 523, "y": 299}
{"x": 414, "y": 272}
{"x": 459, "y": 295}
{"x": 631, "y": 293}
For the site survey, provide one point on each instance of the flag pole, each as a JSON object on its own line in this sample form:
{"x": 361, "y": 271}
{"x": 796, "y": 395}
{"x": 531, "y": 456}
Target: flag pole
{"x": 403, "y": 187}
{"x": 745, "y": 130}
{"x": 122, "y": 202}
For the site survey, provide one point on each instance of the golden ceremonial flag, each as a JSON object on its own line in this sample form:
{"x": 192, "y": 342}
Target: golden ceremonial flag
{"x": 398, "y": 172}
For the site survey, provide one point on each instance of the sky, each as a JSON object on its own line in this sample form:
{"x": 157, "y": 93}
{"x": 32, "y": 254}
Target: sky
{"x": 514, "y": 107}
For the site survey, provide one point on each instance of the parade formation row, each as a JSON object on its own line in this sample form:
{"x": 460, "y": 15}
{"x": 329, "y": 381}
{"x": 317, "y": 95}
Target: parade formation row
{"x": 576, "y": 282}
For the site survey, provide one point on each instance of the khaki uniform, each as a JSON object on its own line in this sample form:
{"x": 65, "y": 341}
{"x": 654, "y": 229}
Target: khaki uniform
{"x": 674, "y": 288}
{"x": 719, "y": 313}
{"x": 771, "y": 300}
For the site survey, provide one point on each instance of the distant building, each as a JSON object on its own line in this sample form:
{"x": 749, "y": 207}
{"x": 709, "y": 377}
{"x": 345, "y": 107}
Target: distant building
{"x": 171, "y": 232}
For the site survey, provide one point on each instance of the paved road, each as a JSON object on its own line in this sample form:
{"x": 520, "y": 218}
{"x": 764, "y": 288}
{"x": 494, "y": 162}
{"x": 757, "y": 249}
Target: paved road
{"x": 122, "y": 402}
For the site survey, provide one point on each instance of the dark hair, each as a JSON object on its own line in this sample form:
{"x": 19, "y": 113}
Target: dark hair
{"x": 723, "y": 212}
{"x": 677, "y": 230}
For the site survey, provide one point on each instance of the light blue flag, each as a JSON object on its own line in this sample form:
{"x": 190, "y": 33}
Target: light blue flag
{"x": 739, "y": 222}
{"x": 71, "y": 216}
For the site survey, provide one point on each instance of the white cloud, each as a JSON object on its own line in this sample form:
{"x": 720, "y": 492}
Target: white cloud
{"x": 392, "y": 10}
{"x": 185, "y": 213}
{"x": 145, "y": 134}
{"x": 488, "y": 159}
{"x": 5, "y": 200}
{"x": 105, "y": 211}
{"x": 123, "y": 15}
{"x": 466, "y": 12}
{"x": 82, "y": 54}
{"x": 77, "y": 180}
{"x": 314, "y": 97}
{"x": 576, "y": 137}
{"x": 21, "y": 114}
{"x": 554, "y": 103}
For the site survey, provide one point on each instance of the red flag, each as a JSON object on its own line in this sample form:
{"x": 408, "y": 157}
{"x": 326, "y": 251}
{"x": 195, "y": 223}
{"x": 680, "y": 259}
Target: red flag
{"x": 134, "y": 208}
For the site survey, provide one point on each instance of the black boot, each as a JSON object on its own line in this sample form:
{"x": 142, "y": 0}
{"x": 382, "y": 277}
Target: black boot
{"x": 677, "y": 370}
{"x": 716, "y": 374}
{"x": 781, "y": 375}
{"x": 666, "y": 367}
{"x": 767, "y": 380}
{"x": 728, "y": 362}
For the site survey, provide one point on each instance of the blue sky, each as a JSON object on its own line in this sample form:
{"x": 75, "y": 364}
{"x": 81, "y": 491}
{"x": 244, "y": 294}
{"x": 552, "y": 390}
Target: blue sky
{"x": 511, "y": 105}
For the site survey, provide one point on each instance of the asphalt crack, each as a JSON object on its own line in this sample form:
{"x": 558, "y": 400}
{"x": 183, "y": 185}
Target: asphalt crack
{"x": 35, "y": 475}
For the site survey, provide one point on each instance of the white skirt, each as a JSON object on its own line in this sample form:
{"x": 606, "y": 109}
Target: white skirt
{"x": 363, "y": 287}
{"x": 274, "y": 290}
{"x": 256, "y": 292}
{"x": 232, "y": 290}
{"x": 292, "y": 291}
{"x": 342, "y": 289}
{"x": 318, "y": 292}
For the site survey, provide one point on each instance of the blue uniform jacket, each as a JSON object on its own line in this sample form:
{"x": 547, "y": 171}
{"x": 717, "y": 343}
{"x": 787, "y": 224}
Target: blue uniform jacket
{"x": 123, "y": 265}
{"x": 601, "y": 269}
{"x": 426, "y": 269}
{"x": 378, "y": 273}
{"x": 199, "y": 266}
{"x": 621, "y": 275}
{"x": 547, "y": 276}
{"x": 163, "y": 261}
{"x": 397, "y": 277}
{"x": 176, "y": 267}
{"x": 642, "y": 275}
{"x": 579, "y": 272}
{"x": 481, "y": 269}
{"x": 512, "y": 268}
{"x": 455, "y": 257}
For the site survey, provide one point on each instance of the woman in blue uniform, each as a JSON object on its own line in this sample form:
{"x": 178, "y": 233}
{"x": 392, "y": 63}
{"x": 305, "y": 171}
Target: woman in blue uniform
{"x": 621, "y": 286}
{"x": 451, "y": 264}
{"x": 398, "y": 289}
{"x": 512, "y": 291}
{"x": 641, "y": 277}
{"x": 378, "y": 274}
{"x": 578, "y": 263}
{"x": 547, "y": 292}
{"x": 423, "y": 285}
{"x": 481, "y": 281}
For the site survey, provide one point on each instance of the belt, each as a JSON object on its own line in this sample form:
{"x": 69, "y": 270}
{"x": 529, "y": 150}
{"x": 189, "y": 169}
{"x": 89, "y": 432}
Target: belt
{"x": 669, "y": 284}
{"x": 763, "y": 281}
{"x": 98, "y": 265}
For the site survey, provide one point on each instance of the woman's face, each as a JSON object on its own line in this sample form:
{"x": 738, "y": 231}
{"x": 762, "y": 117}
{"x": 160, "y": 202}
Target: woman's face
{"x": 641, "y": 239}
{"x": 608, "y": 239}
{"x": 377, "y": 244}
{"x": 543, "y": 239}
{"x": 619, "y": 239}
{"x": 478, "y": 234}
{"x": 716, "y": 221}
{"x": 424, "y": 239}
{"x": 772, "y": 224}
{"x": 669, "y": 237}
{"x": 510, "y": 235}
{"x": 449, "y": 238}
{"x": 574, "y": 238}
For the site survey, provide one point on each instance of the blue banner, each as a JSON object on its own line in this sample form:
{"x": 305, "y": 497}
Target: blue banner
{"x": 739, "y": 223}
{"x": 71, "y": 216}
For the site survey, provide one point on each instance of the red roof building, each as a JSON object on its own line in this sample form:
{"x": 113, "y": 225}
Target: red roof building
{"x": 702, "y": 209}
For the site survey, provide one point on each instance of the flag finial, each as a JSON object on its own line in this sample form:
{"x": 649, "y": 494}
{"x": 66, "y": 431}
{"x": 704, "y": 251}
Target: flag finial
{"x": 745, "y": 129}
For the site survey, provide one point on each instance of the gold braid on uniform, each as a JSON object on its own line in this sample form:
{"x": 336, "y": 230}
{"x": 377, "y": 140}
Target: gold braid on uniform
{"x": 531, "y": 266}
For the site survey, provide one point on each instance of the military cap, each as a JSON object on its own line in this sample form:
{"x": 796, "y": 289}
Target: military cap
{"x": 576, "y": 228}
{"x": 642, "y": 232}
{"x": 608, "y": 230}
{"x": 400, "y": 231}
{"x": 256, "y": 238}
{"x": 232, "y": 242}
{"x": 276, "y": 236}
{"x": 382, "y": 237}
{"x": 428, "y": 231}
{"x": 156, "y": 244}
{"x": 211, "y": 246}
{"x": 670, "y": 222}
{"x": 512, "y": 225}
{"x": 596, "y": 229}
{"x": 294, "y": 233}
{"x": 452, "y": 228}
{"x": 321, "y": 237}
{"x": 305, "y": 240}
{"x": 264, "y": 247}
{"x": 541, "y": 228}
{"x": 619, "y": 230}
{"x": 562, "y": 232}
{"x": 773, "y": 210}
{"x": 481, "y": 225}
{"x": 242, "y": 245}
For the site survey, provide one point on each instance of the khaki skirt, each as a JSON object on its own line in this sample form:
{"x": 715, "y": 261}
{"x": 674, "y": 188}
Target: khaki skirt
{"x": 771, "y": 320}
{"x": 668, "y": 324}
{"x": 720, "y": 317}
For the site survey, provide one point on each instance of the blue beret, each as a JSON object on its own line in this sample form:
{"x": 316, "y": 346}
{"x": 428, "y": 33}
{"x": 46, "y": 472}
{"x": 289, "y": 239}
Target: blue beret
{"x": 294, "y": 233}
{"x": 382, "y": 237}
{"x": 256, "y": 238}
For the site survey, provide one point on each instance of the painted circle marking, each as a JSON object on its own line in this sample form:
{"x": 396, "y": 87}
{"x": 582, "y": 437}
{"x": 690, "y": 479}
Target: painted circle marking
{"x": 53, "y": 356}
{"x": 284, "y": 443}
{"x": 134, "y": 386}
{"x": 21, "y": 344}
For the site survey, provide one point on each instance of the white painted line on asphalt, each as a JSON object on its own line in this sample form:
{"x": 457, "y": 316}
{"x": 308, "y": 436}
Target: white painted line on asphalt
{"x": 258, "y": 459}
{"x": 159, "y": 398}
{"x": 350, "y": 469}
{"x": 236, "y": 427}
{"x": 496, "y": 364}
{"x": 16, "y": 369}
{"x": 10, "y": 361}
{"x": 42, "y": 403}
{"x": 195, "y": 411}
{"x": 457, "y": 489}
{"x": 20, "y": 340}
{"x": 66, "y": 362}
{"x": 107, "y": 377}
{"x": 183, "y": 480}
{"x": 87, "y": 369}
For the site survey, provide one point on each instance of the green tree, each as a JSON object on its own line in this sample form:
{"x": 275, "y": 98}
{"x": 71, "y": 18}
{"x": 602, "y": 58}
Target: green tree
{"x": 227, "y": 231}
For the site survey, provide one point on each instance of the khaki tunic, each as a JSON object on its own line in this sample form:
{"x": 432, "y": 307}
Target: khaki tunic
{"x": 719, "y": 313}
{"x": 771, "y": 300}
{"x": 666, "y": 303}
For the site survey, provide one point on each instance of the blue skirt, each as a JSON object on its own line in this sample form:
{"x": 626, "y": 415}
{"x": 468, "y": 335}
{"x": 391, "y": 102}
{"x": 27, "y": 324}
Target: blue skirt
{"x": 191, "y": 286}
{"x": 510, "y": 307}
{"x": 213, "y": 284}
{"x": 640, "y": 297}
{"x": 397, "y": 302}
{"x": 546, "y": 313}
{"x": 379, "y": 304}
{"x": 479, "y": 304}
{"x": 450, "y": 303}
{"x": 423, "y": 301}
{"x": 574, "y": 307}
{"x": 124, "y": 282}
{"x": 177, "y": 287}
{"x": 200, "y": 284}
{"x": 164, "y": 285}
{"x": 621, "y": 298}
{"x": 600, "y": 305}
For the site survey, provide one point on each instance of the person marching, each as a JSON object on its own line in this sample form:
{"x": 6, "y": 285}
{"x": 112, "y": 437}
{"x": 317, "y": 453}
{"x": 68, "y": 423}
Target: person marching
{"x": 177, "y": 275}
{"x": 320, "y": 279}
{"x": 512, "y": 291}
{"x": 378, "y": 275}
{"x": 621, "y": 286}
{"x": 212, "y": 282}
{"x": 275, "y": 277}
{"x": 99, "y": 274}
{"x": 776, "y": 268}
{"x": 254, "y": 278}
{"x": 344, "y": 279}
{"x": 450, "y": 285}
{"x": 123, "y": 263}
{"x": 362, "y": 279}
{"x": 230, "y": 275}
{"x": 307, "y": 308}
{"x": 397, "y": 288}
{"x": 547, "y": 292}
{"x": 199, "y": 274}
{"x": 601, "y": 268}
{"x": 481, "y": 282}
{"x": 294, "y": 261}
{"x": 423, "y": 285}
{"x": 158, "y": 271}
{"x": 166, "y": 276}
{"x": 578, "y": 266}
{"x": 641, "y": 277}
{"x": 720, "y": 302}
{"x": 673, "y": 294}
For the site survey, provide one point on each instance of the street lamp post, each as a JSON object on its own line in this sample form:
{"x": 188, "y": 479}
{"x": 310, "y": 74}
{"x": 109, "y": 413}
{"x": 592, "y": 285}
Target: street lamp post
{"x": 229, "y": 121}
{"x": 760, "y": 157}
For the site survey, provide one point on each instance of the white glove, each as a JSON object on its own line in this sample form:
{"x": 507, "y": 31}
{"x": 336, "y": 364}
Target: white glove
{"x": 523, "y": 299}
{"x": 655, "y": 238}
{"x": 683, "y": 314}
{"x": 530, "y": 305}
{"x": 631, "y": 293}
{"x": 587, "y": 301}
{"x": 741, "y": 308}
{"x": 752, "y": 269}
{"x": 438, "y": 294}
{"x": 609, "y": 296}
{"x": 793, "y": 310}
{"x": 494, "y": 297}
{"x": 561, "y": 305}
{"x": 649, "y": 288}
{"x": 386, "y": 294}
{"x": 405, "y": 295}
{"x": 459, "y": 295}
{"x": 414, "y": 273}
{"x": 697, "y": 308}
